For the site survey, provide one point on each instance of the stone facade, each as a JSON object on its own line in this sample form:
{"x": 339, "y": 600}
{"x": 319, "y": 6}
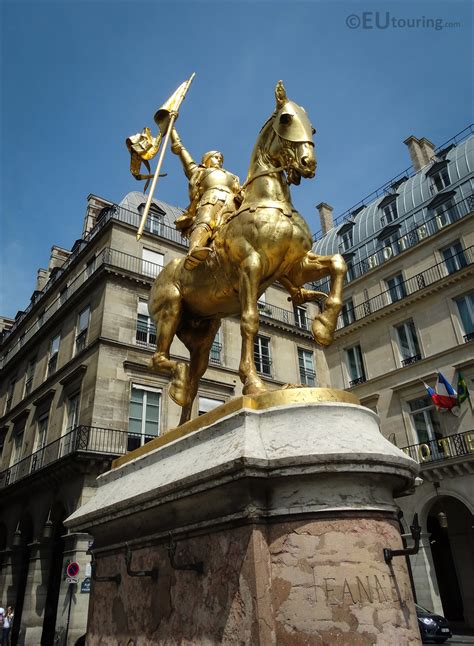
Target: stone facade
{"x": 409, "y": 303}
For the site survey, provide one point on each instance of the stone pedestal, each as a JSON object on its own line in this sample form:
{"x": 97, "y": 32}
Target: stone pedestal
{"x": 286, "y": 499}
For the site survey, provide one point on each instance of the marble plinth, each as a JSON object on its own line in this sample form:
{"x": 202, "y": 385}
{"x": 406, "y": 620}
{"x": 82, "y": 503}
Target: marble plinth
{"x": 287, "y": 502}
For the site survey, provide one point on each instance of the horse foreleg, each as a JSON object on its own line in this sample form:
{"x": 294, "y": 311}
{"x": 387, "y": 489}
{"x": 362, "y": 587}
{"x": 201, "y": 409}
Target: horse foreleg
{"x": 199, "y": 343}
{"x": 249, "y": 322}
{"x": 300, "y": 295}
{"x": 166, "y": 309}
{"x": 312, "y": 267}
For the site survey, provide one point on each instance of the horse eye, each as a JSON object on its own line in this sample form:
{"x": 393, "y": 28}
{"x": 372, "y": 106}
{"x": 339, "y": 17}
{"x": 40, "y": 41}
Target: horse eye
{"x": 286, "y": 118}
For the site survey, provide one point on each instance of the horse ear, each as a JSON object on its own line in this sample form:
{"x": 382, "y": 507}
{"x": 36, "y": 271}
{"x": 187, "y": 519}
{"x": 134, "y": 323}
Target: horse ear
{"x": 280, "y": 95}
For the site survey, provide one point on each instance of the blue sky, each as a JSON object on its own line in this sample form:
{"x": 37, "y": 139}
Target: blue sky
{"x": 79, "y": 77}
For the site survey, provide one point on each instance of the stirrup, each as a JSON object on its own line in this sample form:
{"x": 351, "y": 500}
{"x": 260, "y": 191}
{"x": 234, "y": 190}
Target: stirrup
{"x": 196, "y": 257}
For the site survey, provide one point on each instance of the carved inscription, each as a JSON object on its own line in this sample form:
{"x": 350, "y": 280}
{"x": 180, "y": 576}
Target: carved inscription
{"x": 374, "y": 588}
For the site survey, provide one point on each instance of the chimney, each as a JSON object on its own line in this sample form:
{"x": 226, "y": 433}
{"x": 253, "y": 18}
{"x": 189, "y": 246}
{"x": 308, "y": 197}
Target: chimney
{"x": 416, "y": 152}
{"x": 428, "y": 149}
{"x": 41, "y": 279}
{"x": 421, "y": 151}
{"x": 325, "y": 216}
{"x": 58, "y": 257}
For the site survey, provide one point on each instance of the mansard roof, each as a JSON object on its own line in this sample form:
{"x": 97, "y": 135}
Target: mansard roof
{"x": 415, "y": 192}
{"x": 134, "y": 200}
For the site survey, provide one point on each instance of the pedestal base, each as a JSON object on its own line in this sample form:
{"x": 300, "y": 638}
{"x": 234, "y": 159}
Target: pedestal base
{"x": 288, "y": 508}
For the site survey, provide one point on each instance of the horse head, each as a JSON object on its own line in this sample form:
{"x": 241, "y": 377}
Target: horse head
{"x": 293, "y": 145}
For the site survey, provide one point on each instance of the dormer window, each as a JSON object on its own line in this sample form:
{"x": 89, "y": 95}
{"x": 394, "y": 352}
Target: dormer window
{"x": 388, "y": 207}
{"x": 154, "y": 221}
{"x": 439, "y": 176}
{"x": 345, "y": 234}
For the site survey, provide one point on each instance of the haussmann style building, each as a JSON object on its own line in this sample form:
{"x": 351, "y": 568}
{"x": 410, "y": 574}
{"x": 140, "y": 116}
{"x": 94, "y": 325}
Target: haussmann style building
{"x": 76, "y": 390}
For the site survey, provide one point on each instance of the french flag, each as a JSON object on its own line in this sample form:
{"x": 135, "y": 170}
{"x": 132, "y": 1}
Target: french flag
{"x": 444, "y": 396}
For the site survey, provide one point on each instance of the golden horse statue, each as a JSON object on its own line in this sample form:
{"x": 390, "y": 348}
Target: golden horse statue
{"x": 264, "y": 241}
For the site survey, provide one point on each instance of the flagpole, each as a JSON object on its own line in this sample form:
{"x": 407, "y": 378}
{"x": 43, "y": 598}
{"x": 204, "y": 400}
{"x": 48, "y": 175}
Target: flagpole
{"x": 174, "y": 115}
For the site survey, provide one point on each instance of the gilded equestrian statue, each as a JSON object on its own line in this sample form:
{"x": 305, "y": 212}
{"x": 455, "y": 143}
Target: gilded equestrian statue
{"x": 262, "y": 241}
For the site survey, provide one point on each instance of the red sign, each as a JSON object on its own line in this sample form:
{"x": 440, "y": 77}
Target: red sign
{"x": 72, "y": 569}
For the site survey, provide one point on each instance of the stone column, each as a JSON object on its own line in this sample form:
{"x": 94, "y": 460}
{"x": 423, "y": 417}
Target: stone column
{"x": 7, "y": 592}
{"x": 73, "y": 604}
{"x": 35, "y": 593}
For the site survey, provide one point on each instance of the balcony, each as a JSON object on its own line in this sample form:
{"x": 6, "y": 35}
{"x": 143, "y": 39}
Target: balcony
{"x": 445, "y": 452}
{"x": 215, "y": 354}
{"x": 409, "y": 360}
{"x": 423, "y": 229}
{"x": 468, "y": 337}
{"x": 357, "y": 381}
{"x": 82, "y": 439}
{"x": 410, "y": 286}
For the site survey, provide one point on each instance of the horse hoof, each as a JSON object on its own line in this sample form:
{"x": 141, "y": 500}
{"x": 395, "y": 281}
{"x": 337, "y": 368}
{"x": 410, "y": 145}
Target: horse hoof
{"x": 321, "y": 334}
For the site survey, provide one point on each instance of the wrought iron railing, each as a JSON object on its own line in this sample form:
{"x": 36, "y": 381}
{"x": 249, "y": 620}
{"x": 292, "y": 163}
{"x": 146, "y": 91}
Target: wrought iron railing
{"x": 88, "y": 439}
{"x": 409, "y": 286}
{"x": 419, "y": 232}
{"x": 387, "y": 188}
{"x": 469, "y": 337}
{"x": 357, "y": 381}
{"x": 443, "y": 448}
{"x": 114, "y": 212}
{"x": 284, "y": 316}
{"x": 409, "y": 360}
{"x": 215, "y": 354}
{"x": 307, "y": 376}
{"x": 135, "y": 265}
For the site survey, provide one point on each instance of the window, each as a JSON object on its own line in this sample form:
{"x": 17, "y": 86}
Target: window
{"x": 454, "y": 257}
{"x": 53, "y": 355}
{"x": 306, "y": 366}
{"x": 261, "y": 353}
{"x": 81, "y": 330}
{"x": 17, "y": 447}
{"x": 424, "y": 420}
{"x": 351, "y": 274}
{"x": 146, "y": 330}
{"x": 390, "y": 212}
{"x": 152, "y": 262}
{"x": 72, "y": 412}
{"x": 396, "y": 288}
{"x": 465, "y": 306}
{"x": 29, "y": 376}
{"x": 40, "y": 443}
{"x": 440, "y": 180}
{"x": 9, "y": 398}
{"x": 144, "y": 416}
{"x": 90, "y": 268}
{"x": 207, "y": 404}
{"x": 301, "y": 317}
{"x": 346, "y": 240}
{"x": 154, "y": 221}
{"x": 446, "y": 213}
{"x": 408, "y": 343}
{"x": 355, "y": 366}
{"x": 263, "y": 308}
{"x": 347, "y": 312}
{"x": 215, "y": 355}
